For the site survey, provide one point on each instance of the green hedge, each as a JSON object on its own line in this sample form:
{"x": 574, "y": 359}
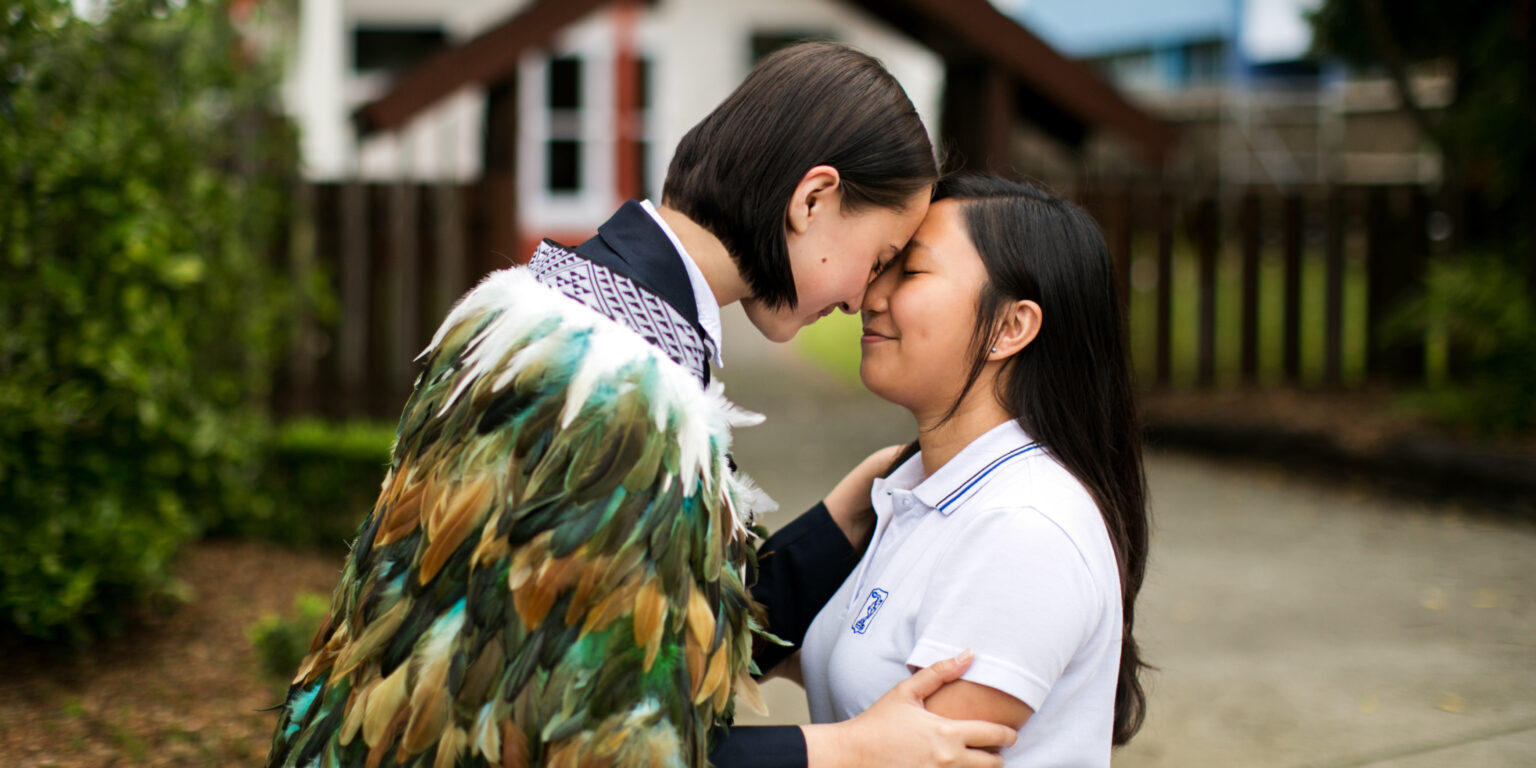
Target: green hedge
{"x": 142, "y": 189}
{"x": 319, "y": 483}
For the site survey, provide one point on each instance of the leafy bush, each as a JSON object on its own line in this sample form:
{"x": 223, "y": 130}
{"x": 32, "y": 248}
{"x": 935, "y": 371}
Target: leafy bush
{"x": 281, "y": 641}
{"x": 320, "y": 481}
{"x": 1480, "y": 307}
{"x": 141, "y": 189}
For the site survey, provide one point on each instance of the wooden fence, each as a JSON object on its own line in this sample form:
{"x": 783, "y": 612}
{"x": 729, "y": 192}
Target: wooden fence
{"x": 1245, "y": 286}
{"x": 1259, "y": 285}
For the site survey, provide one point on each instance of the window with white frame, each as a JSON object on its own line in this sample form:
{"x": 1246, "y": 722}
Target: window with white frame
{"x": 564, "y": 145}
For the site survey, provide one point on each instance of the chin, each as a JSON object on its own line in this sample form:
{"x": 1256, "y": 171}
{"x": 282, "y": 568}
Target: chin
{"x": 874, "y": 381}
{"x": 774, "y": 329}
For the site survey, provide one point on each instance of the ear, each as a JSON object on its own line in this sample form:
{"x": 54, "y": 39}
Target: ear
{"x": 818, "y": 192}
{"x": 1017, "y": 327}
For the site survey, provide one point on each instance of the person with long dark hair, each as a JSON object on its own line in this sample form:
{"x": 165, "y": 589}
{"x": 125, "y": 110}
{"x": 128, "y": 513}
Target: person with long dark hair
{"x": 1016, "y": 525}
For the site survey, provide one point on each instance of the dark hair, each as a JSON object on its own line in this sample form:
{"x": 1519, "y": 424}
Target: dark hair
{"x": 1070, "y": 389}
{"x": 806, "y": 105}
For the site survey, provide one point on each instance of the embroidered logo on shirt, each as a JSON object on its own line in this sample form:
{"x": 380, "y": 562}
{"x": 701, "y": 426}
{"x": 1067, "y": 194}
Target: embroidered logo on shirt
{"x": 871, "y": 607}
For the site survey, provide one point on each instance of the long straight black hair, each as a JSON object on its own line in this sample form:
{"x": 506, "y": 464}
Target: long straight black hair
{"x": 1070, "y": 389}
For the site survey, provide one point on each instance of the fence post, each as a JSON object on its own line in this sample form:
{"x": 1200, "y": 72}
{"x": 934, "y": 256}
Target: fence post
{"x": 1121, "y": 253}
{"x": 449, "y": 279}
{"x": 1336, "y": 217}
{"x": 1294, "y": 219}
{"x": 1164, "y": 306}
{"x": 403, "y": 285}
{"x": 1249, "y": 223}
{"x": 1393, "y": 257}
{"x": 355, "y": 282}
{"x": 1208, "y": 239}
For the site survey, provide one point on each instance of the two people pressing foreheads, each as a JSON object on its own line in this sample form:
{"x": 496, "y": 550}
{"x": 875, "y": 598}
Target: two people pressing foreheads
{"x": 967, "y": 599}
{"x": 1015, "y": 526}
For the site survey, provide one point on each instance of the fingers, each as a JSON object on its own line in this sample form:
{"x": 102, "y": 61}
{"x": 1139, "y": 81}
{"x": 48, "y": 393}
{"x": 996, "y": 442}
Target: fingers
{"x": 928, "y": 680}
{"x": 980, "y": 734}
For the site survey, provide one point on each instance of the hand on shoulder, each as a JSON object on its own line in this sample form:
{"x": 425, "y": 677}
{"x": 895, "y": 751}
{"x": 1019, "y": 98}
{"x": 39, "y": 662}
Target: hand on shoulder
{"x": 848, "y": 501}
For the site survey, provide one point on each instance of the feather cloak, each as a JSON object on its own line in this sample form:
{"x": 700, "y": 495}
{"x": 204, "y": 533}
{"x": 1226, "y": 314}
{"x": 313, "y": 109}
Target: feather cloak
{"x": 553, "y": 573}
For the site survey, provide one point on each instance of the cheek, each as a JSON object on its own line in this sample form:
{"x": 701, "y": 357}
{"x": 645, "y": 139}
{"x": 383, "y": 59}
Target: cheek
{"x": 935, "y": 338}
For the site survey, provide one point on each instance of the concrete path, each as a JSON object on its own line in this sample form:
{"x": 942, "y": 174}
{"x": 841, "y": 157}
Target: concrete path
{"x": 1294, "y": 624}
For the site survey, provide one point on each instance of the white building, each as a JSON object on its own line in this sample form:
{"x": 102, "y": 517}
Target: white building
{"x": 690, "y": 55}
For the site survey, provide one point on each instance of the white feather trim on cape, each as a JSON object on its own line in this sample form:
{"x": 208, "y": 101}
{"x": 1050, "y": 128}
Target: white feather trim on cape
{"x": 522, "y": 306}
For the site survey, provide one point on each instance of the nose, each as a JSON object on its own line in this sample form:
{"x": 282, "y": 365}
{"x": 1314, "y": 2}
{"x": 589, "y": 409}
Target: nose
{"x": 850, "y": 304}
{"x": 876, "y": 295}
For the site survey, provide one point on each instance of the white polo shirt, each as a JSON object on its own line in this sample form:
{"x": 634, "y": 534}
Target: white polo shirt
{"x": 1001, "y": 551}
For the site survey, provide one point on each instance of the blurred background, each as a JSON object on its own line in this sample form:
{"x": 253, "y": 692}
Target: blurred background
{"x": 227, "y": 227}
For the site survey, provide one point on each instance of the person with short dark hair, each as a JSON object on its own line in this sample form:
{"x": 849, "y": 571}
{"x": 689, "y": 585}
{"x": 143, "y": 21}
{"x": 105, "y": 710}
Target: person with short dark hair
{"x": 1016, "y": 524}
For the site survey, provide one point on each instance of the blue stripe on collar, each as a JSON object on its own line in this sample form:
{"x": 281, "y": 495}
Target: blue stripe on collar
{"x": 955, "y": 495}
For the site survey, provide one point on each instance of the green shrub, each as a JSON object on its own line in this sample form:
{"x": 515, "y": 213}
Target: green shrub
{"x": 280, "y": 642}
{"x": 141, "y": 190}
{"x": 1480, "y": 309}
{"x": 320, "y": 482}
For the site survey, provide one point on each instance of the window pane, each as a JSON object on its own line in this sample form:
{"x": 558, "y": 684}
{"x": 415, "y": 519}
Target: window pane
{"x": 393, "y": 49}
{"x": 564, "y": 166}
{"x": 565, "y": 83}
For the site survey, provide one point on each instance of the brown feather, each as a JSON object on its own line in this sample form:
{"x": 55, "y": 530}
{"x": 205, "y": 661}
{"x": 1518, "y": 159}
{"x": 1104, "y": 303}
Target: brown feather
{"x": 479, "y": 676}
{"x": 449, "y": 747}
{"x": 615, "y": 604}
{"x": 537, "y": 595}
{"x": 566, "y": 755}
{"x": 514, "y": 746}
{"x": 714, "y": 677}
{"x": 384, "y": 705}
{"x": 749, "y": 694}
{"x": 492, "y": 547}
{"x": 357, "y": 705}
{"x": 701, "y": 620}
{"x": 586, "y": 586}
{"x": 722, "y": 696}
{"x": 430, "y": 707}
{"x": 694, "y": 655}
{"x": 379, "y": 632}
{"x": 650, "y": 612}
{"x": 400, "y": 517}
{"x": 377, "y": 751}
{"x": 487, "y": 739}
{"x": 316, "y": 664}
{"x": 465, "y": 511}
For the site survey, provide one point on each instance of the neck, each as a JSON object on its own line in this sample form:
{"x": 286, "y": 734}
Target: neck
{"x": 709, "y": 254}
{"x": 976, "y": 416}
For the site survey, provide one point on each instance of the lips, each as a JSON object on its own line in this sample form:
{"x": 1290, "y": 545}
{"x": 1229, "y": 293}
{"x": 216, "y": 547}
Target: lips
{"x": 870, "y": 334}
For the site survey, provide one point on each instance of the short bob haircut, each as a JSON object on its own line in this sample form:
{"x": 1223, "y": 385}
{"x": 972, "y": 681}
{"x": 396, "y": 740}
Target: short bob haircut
{"x": 806, "y": 105}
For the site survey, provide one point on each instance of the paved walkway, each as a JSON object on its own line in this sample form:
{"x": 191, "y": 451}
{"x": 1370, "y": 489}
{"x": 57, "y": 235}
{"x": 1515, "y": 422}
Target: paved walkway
{"x": 1295, "y": 624}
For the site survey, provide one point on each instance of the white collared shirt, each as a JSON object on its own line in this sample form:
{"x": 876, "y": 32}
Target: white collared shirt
{"x": 703, "y": 297}
{"x": 1001, "y": 551}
